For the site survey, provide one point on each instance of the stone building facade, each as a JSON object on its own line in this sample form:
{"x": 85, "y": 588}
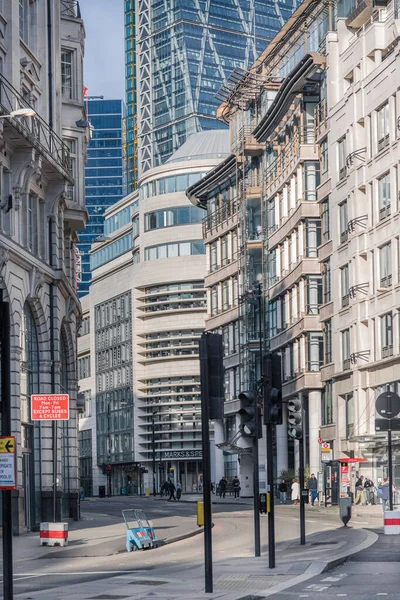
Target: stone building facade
{"x": 42, "y": 160}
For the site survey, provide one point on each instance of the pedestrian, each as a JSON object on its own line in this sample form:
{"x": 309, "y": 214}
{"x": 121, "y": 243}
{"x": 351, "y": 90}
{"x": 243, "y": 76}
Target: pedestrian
{"x": 359, "y": 499}
{"x": 164, "y": 489}
{"x": 236, "y": 486}
{"x": 282, "y": 491}
{"x": 384, "y": 487}
{"x": 222, "y": 487}
{"x": 312, "y": 486}
{"x": 171, "y": 488}
{"x": 295, "y": 491}
{"x": 368, "y": 491}
{"x": 178, "y": 490}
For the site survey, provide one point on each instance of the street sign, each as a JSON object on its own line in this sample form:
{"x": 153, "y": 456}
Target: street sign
{"x": 388, "y": 405}
{"x": 7, "y": 463}
{"x": 50, "y": 407}
{"x": 386, "y": 424}
{"x": 320, "y": 440}
{"x": 326, "y": 451}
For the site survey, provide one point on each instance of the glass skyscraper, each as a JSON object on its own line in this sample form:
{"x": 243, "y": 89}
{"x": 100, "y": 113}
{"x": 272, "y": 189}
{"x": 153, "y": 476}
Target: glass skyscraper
{"x": 185, "y": 50}
{"x": 130, "y": 98}
{"x": 104, "y": 174}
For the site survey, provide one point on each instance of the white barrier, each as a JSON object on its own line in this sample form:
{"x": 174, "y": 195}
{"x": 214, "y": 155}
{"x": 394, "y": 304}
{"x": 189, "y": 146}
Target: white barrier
{"x": 54, "y": 534}
{"x": 391, "y": 521}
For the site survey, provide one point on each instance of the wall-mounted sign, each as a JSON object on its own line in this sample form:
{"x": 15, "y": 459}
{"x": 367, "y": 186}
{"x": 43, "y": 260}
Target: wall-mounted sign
{"x": 50, "y": 407}
{"x": 182, "y": 454}
{"x": 7, "y": 463}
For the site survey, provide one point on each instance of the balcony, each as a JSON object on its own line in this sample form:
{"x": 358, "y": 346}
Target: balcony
{"x": 384, "y": 212}
{"x": 387, "y": 351}
{"x": 361, "y": 14}
{"x": 246, "y": 143}
{"x": 221, "y": 219}
{"x": 34, "y": 130}
{"x": 70, "y": 8}
{"x": 320, "y": 119}
{"x": 299, "y": 148}
{"x": 386, "y": 282}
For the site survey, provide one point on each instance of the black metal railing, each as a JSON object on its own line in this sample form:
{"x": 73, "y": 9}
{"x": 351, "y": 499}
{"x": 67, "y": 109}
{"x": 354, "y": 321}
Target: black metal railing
{"x": 384, "y": 212}
{"x": 356, "y": 154}
{"x": 361, "y": 221}
{"x": 219, "y": 216}
{"x": 70, "y": 8}
{"x": 386, "y": 282}
{"x": 35, "y": 129}
{"x": 387, "y": 351}
{"x": 359, "y": 287}
{"x": 346, "y": 364}
{"x": 345, "y": 300}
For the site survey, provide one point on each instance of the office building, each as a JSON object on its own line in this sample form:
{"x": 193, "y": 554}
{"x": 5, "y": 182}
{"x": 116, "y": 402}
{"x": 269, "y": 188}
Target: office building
{"x": 104, "y": 174}
{"x": 42, "y": 207}
{"x": 132, "y": 166}
{"x": 144, "y": 378}
{"x": 184, "y": 53}
{"x": 306, "y": 205}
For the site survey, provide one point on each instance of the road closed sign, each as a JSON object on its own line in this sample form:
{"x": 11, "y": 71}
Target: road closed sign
{"x": 7, "y": 463}
{"x": 50, "y": 407}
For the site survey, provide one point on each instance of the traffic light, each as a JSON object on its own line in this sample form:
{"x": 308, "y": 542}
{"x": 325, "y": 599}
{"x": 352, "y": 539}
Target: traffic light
{"x": 295, "y": 418}
{"x": 272, "y": 390}
{"x": 211, "y": 350}
{"x": 248, "y": 425}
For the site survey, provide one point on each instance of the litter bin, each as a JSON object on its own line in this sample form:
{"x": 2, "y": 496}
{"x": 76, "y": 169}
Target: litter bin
{"x": 102, "y": 491}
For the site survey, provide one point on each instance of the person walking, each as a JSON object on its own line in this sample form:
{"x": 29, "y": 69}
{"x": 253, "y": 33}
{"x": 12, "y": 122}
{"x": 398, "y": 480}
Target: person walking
{"x": 368, "y": 491}
{"x": 282, "y": 491}
{"x": 360, "y": 499}
{"x": 178, "y": 490}
{"x": 172, "y": 489}
{"x": 384, "y": 487}
{"x": 312, "y": 486}
{"x": 222, "y": 487}
{"x": 236, "y": 486}
{"x": 295, "y": 491}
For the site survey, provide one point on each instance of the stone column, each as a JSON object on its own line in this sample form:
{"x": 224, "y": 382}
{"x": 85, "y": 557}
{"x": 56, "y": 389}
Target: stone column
{"x": 314, "y": 420}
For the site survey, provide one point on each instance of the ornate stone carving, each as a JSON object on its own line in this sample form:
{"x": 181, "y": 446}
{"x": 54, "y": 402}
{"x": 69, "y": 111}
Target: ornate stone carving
{"x": 4, "y": 258}
{"x": 37, "y": 282}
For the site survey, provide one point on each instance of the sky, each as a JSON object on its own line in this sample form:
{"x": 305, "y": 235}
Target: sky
{"x": 104, "y": 62}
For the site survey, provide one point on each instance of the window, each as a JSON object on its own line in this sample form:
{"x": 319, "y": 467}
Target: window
{"x": 326, "y": 279}
{"x": 85, "y": 326}
{"x": 84, "y": 367}
{"x": 349, "y": 415}
{"x": 182, "y": 215}
{"x": 384, "y": 196}
{"x": 346, "y": 349}
{"x": 324, "y": 161}
{"x": 86, "y": 397}
{"x": 27, "y": 22}
{"x": 313, "y": 237}
{"x": 66, "y": 74}
{"x": 328, "y": 341}
{"x": 314, "y": 295}
{"x": 344, "y": 285}
{"x": 344, "y": 222}
{"x": 225, "y": 295}
{"x": 174, "y": 249}
{"x": 272, "y": 276}
{"x": 387, "y": 335}
{"x": 325, "y": 220}
{"x": 342, "y": 158}
{"x": 383, "y": 126}
{"x": 271, "y": 216}
{"x": 385, "y": 265}
{"x": 32, "y": 224}
{"x": 315, "y": 351}
{"x": 111, "y": 251}
{"x": 327, "y": 404}
{"x": 71, "y": 145}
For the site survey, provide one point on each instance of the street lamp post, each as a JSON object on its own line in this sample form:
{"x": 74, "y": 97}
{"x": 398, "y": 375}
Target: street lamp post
{"x": 153, "y": 440}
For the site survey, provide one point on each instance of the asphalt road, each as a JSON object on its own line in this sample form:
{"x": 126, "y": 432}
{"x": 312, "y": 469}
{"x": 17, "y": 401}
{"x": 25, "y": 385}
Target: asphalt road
{"x": 232, "y": 537}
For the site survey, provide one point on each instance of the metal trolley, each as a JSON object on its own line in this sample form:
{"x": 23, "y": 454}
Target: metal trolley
{"x": 140, "y": 534}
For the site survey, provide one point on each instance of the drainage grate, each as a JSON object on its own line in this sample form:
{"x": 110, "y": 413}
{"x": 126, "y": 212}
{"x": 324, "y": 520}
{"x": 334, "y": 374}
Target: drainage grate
{"x": 251, "y": 597}
{"x": 147, "y": 582}
{"x": 323, "y": 544}
{"x": 108, "y": 597}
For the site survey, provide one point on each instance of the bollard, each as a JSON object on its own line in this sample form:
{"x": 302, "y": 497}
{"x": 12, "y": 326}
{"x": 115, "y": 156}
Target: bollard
{"x": 54, "y": 534}
{"x": 200, "y": 514}
{"x": 345, "y": 510}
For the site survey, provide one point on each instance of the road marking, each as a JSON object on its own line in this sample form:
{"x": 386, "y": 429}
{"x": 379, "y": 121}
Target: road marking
{"x": 317, "y": 587}
{"x": 382, "y": 594}
{"x": 341, "y": 595}
{"x": 303, "y": 596}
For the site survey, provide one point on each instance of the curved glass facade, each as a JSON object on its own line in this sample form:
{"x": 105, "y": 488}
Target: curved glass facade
{"x": 111, "y": 251}
{"x": 174, "y": 249}
{"x": 169, "y": 185}
{"x": 179, "y": 215}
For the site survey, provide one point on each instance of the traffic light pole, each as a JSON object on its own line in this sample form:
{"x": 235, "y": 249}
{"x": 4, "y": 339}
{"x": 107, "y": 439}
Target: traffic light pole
{"x": 5, "y": 395}
{"x": 271, "y": 513}
{"x": 205, "y": 440}
{"x": 256, "y": 483}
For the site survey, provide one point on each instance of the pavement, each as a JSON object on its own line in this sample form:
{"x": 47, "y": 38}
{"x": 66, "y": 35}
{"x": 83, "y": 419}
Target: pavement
{"x": 238, "y": 578}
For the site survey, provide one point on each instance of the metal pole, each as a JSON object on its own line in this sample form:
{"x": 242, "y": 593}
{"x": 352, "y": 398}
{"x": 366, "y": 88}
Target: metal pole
{"x": 205, "y": 441}
{"x": 271, "y": 514}
{"x": 256, "y": 471}
{"x": 5, "y": 368}
{"x": 302, "y": 505}
{"x": 390, "y": 465}
{"x": 154, "y": 452}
